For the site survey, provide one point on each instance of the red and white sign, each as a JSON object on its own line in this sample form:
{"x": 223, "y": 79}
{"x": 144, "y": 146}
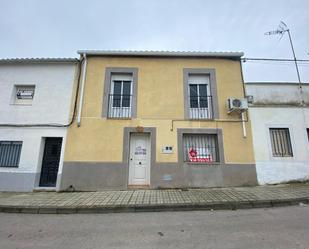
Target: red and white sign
{"x": 199, "y": 155}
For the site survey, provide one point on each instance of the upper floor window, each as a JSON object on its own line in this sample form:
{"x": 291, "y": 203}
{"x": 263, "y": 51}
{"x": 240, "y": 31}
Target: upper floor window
{"x": 120, "y": 93}
{"x": 120, "y": 97}
{"x": 23, "y": 94}
{"x": 281, "y": 142}
{"x": 199, "y": 98}
{"x": 200, "y": 93}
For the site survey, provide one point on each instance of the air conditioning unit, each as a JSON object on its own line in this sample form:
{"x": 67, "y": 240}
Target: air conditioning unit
{"x": 235, "y": 104}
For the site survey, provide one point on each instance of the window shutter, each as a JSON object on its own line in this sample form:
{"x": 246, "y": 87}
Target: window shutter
{"x": 199, "y": 79}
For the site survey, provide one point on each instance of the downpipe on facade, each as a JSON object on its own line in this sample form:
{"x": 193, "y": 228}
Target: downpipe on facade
{"x": 243, "y": 125}
{"x": 82, "y": 90}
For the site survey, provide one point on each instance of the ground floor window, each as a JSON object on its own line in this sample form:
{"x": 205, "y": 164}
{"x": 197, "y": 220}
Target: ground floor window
{"x": 200, "y": 148}
{"x": 281, "y": 142}
{"x": 10, "y": 153}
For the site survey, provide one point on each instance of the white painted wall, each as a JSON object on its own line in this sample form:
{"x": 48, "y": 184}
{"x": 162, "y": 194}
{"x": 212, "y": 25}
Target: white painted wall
{"x": 51, "y": 104}
{"x": 274, "y": 109}
{"x": 31, "y": 153}
{"x": 53, "y": 91}
{"x": 267, "y": 93}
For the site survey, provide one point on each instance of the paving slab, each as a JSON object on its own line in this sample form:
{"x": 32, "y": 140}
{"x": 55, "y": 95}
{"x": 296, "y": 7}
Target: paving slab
{"x": 154, "y": 200}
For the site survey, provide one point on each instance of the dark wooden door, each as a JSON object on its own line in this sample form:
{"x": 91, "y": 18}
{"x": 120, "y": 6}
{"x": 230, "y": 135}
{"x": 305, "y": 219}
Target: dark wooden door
{"x": 50, "y": 163}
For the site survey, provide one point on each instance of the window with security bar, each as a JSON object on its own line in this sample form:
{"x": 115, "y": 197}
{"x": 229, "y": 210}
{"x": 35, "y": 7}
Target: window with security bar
{"x": 199, "y": 148}
{"x": 281, "y": 142}
{"x": 10, "y": 153}
{"x": 200, "y": 102}
{"x": 120, "y": 97}
{"x": 23, "y": 94}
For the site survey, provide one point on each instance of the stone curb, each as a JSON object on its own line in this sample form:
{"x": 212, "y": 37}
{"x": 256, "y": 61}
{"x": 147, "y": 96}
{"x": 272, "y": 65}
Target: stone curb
{"x": 154, "y": 207}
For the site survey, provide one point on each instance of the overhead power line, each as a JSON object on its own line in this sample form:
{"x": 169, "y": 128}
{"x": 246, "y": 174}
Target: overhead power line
{"x": 271, "y": 59}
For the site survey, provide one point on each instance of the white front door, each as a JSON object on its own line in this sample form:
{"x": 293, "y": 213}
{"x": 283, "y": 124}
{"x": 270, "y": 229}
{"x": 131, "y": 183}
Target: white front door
{"x": 139, "y": 161}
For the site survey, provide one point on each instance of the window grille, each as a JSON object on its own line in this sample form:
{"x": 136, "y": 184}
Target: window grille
{"x": 200, "y": 148}
{"x": 10, "y": 153}
{"x": 119, "y": 105}
{"x": 24, "y": 94}
{"x": 281, "y": 142}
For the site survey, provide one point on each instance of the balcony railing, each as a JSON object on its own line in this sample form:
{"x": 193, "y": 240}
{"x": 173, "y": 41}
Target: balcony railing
{"x": 200, "y": 107}
{"x": 119, "y": 106}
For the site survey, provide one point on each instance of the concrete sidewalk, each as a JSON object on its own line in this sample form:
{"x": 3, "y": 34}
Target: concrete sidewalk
{"x": 154, "y": 200}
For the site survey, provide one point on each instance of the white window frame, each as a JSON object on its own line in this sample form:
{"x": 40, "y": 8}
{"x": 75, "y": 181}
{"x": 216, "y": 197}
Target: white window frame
{"x": 20, "y": 101}
{"x": 199, "y": 112}
{"x": 120, "y": 112}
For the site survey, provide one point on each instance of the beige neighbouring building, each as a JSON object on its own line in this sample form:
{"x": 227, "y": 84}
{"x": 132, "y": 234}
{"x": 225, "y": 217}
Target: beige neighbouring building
{"x": 158, "y": 120}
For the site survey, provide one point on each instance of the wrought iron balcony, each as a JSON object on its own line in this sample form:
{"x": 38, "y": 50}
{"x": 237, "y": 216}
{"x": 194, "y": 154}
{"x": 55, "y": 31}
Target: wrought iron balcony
{"x": 200, "y": 107}
{"x": 119, "y": 106}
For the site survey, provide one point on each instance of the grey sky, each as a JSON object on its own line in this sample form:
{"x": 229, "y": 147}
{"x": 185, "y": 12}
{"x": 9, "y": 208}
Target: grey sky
{"x": 57, "y": 28}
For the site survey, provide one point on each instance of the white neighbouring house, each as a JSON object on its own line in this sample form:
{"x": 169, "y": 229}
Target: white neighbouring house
{"x": 279, "y": 114}
{"x": 36, "y": 96}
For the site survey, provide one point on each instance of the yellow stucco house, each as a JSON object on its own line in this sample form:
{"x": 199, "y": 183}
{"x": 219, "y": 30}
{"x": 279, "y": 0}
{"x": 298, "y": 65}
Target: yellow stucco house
{"x": 150, "y": 119}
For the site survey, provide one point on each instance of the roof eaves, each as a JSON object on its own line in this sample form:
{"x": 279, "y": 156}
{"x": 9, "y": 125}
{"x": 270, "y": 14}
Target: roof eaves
{"x": 161, "y": 53}
{"x": 37, "y": 60}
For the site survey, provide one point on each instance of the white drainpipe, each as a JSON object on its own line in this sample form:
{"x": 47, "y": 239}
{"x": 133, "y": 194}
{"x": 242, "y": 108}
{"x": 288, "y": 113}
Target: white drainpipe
{"x": 82, "y": 91}
{"x": 243, "y": 125}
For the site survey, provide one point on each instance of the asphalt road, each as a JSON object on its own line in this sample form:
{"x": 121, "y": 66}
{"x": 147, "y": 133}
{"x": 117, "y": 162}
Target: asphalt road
{"x": 242, "y": 229}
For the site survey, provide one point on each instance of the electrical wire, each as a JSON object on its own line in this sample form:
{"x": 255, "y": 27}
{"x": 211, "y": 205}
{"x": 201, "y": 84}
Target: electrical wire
{"x": 270, "y": 59}
{"x": 303, "y": 64}
{"x": 277, "y": 61}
